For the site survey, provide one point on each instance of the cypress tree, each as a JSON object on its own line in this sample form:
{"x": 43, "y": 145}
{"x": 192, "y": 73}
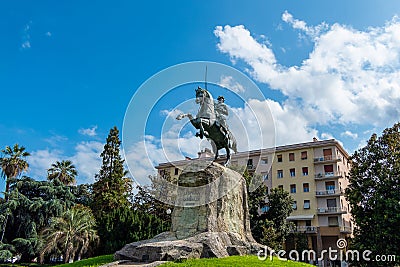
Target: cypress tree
{"x": 112, "y": 188}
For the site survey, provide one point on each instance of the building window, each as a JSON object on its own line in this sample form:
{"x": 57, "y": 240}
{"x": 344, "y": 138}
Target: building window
{"x": 306, "y": 187}
{"x": 162, "y": 172}
{"x": 305, "y": 171}
{"x": 267, "y": 190}
{"x": 292, "y": 172}
{"x": 330, "y": 187}
{"x": 306, "y": 204}
{"x": 280, "y": 173}
{"x": 176, "y": 171}
{"x": 291, "y": 156}
{"x": 328, "y": 169}
{"x": 327, "y": 153}
{"x": 279, "y": 157}
{"x": 250, "y": 164}
{"x": 294, "y": 205}
{"x": 280, "y": 187}
{"x": 264, "y": 161}
{"x": 333, "y": 221}
{"x": 264, "y": 175}
{"x": 331, "y": 203}
{"x": 293, "y": 188}
{"x": 304, "y": 155}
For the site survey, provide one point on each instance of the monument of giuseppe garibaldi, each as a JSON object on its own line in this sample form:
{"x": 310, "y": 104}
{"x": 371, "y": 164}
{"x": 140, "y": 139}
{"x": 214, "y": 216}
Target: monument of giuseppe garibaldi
{"x": 211, "y": 216}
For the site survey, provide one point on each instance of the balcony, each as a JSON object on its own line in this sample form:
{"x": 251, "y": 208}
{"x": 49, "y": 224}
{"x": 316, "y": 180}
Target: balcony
{"x": 305, "y": 229}
{"x": 345, "y": 229}
{"x": 329, "y": 193}
{"x": 250, "y": 167}
{"x": 326, "y": 175}
{"x": 326, "y": 159}
{"x": 331, "y": 210}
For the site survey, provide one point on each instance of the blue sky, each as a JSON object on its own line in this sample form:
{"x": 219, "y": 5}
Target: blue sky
{"x": 68, "y": 69}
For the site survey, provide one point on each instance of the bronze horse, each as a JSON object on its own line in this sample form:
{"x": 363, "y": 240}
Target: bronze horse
{"x": 219, "y": 136}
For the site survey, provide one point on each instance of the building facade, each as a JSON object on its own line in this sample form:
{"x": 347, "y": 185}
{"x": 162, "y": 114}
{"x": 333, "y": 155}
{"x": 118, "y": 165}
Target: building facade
{"x": 314, "y": 173}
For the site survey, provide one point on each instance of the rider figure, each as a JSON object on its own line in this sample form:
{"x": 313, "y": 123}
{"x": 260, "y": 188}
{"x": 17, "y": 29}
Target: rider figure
{"x": 221, "y": 111}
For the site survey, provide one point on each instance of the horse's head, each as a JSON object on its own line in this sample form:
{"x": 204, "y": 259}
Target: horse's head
{"x": 200, "y": 93}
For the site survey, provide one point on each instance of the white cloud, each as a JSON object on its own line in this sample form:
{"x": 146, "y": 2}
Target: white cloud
{"x": 171, "y": 113}
{"x": 88, "y": 131}
{"x": 26, "y": 45}
{"x": 144, "y": 155}
{"x": 349, "y": 134}
{"x": 327, "y": 136}
{"x": 40, "y": 161}
{"x": 26, "y": 37}
{"x": 48, "y": 34}
{"x": 229, "y": 83}
{"x": 302, "y": 25}
{"x": 350, "y": 76}
{"x": 55, "y": 140}
{"x": 238, "y": 42}
{"x": 87, "y": 160}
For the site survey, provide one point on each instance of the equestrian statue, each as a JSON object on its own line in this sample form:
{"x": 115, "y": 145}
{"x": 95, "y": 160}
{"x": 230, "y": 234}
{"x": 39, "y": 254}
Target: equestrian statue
{"x": 211, "y": 123}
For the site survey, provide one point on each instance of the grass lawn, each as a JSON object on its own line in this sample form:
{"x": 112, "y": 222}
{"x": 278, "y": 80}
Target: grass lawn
{"x": 91, "y": 262}
{"x": 236, "y": 261}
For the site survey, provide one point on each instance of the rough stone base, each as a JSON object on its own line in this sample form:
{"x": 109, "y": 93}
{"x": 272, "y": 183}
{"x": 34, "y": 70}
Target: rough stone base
{"x": 203, "y": 245}
{"x": 204, "y": 229}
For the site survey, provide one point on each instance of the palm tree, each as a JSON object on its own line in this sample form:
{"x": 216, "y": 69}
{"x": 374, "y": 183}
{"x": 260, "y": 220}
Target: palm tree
{"x": 72, "y": 233}
{"x": 12, "y": 164}
{"x": 65, "y": 171}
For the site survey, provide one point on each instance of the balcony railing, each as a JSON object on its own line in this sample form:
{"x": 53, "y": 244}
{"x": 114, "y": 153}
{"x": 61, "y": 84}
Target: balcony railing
{"x": 304, "y": 229}
{"x": 330, "y": 210}
{"x": 328, "y": 192}
{"x": 326, "y": 175}
{"x": 345, "y": 229}
{"x": 327, "y": 158}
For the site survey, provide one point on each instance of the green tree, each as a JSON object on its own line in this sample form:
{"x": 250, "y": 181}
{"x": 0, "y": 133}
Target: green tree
{"x": 12, "y": 164}
{"x": 32, "y": 204}
{"x": 280, "y": 205}
{"x": 125, "y": 225}
{"x": 145, "y": 202}
{"x": 71, "y": 233}
{"x": 257, "y": 202}
{"x": 374, "y": 196}
{"x": 112, "y": 188}
{"x": 65, "y": 171}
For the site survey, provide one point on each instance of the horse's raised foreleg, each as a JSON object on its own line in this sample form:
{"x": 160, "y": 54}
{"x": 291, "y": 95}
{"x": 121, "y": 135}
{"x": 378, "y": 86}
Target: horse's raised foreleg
{"x": 181, "y": 116}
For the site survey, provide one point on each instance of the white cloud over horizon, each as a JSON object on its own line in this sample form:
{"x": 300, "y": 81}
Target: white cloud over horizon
{"x": 86, "y": 158}
{"x": 350, "y": 77}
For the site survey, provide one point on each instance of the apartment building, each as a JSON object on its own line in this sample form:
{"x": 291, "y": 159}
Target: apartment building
{"x": 314, "y": 173}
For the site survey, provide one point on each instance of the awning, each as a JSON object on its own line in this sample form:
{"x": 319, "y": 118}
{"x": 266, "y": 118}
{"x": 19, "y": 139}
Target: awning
{"x": 300, "y": 217}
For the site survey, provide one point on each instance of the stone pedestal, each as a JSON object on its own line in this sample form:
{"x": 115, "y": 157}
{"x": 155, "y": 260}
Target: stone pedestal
{"x": 211, "y": 219}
